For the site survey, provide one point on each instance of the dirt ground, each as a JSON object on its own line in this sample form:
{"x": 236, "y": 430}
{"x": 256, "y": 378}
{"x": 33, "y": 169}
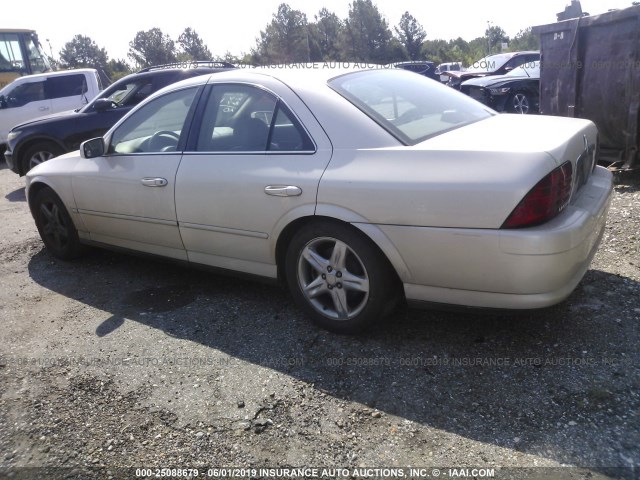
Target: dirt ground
{"x": 113, "y": 363}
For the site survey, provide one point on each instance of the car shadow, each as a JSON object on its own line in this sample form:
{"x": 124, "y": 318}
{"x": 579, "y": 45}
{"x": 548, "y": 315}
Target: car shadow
{"x": 526, "y": 382}
{"x": 18, "y": 195}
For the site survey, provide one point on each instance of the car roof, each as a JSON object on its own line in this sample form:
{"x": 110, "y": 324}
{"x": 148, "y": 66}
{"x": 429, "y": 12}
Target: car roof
{"x": 293, "y": 73}
{"x": 308, "y": 76}
{"x": 16, "y": 30}
{"x": 57, "y": 73}
{"x": 188, "y": 65}
{"x": 172, "y": 70}
{"x": 299, "y": 74}
{"x": 514, "y": 54}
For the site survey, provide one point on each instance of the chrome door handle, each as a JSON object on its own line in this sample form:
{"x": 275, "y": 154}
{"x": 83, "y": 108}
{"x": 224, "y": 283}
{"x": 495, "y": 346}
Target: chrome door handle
{"x": 154, "y": 182}
{"x": 43, "y": 109}
{"x": 283, "y": 190}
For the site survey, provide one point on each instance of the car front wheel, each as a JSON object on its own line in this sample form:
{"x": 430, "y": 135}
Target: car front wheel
{"x": 38, "y": 153}
{"x": 55, "y": 225}
{"x": 520, "y": 103}
{"x": 338, "y": 277}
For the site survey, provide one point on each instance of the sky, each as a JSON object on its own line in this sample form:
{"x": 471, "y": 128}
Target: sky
{"x": 234, "y": 25}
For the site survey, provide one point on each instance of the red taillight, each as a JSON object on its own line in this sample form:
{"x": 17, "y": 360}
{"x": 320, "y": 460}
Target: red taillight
{"x": 546, "y": 200}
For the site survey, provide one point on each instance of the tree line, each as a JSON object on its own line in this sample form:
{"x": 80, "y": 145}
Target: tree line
{"x": 291, "y": 37}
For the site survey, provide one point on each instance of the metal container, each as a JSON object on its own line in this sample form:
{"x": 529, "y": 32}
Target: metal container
{"x": 590, "y": 68}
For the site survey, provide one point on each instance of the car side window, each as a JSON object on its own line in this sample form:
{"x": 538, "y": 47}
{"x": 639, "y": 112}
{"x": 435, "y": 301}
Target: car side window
{"x": 236, "y": 118}
{"x": 26, "y": 93}
{"x": 65, "y": 86}
{"x": 128, "y": 93}
{"x": 516, "y": 61}
{"x": 287, "y": 135}
{"x": 533, "y": 58}
{"x": 156, "y": 127}
{"x": 241, "y": 118}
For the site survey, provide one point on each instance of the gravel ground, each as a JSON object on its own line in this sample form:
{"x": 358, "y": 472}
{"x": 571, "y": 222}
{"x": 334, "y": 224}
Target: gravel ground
{"x": 114, "y": 362}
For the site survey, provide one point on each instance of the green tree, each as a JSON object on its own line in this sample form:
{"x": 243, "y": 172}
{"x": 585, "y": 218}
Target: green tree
{"x": 460, "y": 51}
{"x": 525, "y": 40}
{"x": 152, "y": 48}
{"x": 437, "y": 51}
{"x": 192, "y": 46}
{"x": 495, "y": 36}
{"x": 116, "y": 69}
{"x": 368, "y": 37}
{"x": 329, "y": 30}
{"x": 411, "y": 35}
{"x": 82, "y": 52}
{"x": 285, "y": 39}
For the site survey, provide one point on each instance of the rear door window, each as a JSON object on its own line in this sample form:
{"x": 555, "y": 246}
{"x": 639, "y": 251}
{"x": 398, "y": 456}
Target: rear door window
{"x": 242, "y": 118}
{"x": 66, "y": 86}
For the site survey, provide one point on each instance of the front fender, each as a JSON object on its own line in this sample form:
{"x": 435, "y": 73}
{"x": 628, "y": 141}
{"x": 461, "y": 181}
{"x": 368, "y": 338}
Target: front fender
{"x": 56, "y": 175}
{"x": 20, "y": 148}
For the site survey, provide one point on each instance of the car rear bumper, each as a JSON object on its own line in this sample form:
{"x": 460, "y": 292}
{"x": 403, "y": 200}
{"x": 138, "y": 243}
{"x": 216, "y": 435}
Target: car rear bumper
{"x": 513, "y": 269}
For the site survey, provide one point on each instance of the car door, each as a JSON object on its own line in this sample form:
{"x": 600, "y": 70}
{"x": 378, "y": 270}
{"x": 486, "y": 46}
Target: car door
{"x": 26, "y": 101}
{"x": 252, "y": 165}
{"x": 66, "y": 92}
{"x": 126, "y": 197}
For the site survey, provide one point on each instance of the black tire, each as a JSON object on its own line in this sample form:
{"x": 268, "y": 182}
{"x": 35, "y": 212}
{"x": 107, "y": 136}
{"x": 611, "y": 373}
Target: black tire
{"x": 521, "y": 103}
{"x": 38, "y": 153}
{"x": 322, "y": 259}
{"x": 55, "y": 226}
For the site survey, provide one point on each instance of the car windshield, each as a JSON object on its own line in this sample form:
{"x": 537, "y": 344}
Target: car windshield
{"x": 124, "y": 93}
{"x": 490, "y": 64}
{"x": 410, "y": 107}
{"x": 531, "y": 69}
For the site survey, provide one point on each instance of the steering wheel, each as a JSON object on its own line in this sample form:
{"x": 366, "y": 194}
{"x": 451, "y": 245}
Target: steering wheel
{"x": 163, "y": 141}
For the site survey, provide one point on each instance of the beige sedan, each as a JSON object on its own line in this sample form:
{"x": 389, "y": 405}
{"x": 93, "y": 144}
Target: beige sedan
{"x": 357, "y": 188}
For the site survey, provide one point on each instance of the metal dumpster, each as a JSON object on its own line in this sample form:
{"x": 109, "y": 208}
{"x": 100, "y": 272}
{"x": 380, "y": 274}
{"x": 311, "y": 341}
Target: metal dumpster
{"x": 590, "y": 68}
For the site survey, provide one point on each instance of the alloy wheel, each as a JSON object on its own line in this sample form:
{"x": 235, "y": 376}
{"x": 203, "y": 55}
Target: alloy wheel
{"x": 521, "y": 103}
{"x": 333, "y": 279}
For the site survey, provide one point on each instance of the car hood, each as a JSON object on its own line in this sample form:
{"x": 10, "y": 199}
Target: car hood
{"x": 462, "y": 76}
{"x": 47, "y": 118}
{"x": 494, "y": 80}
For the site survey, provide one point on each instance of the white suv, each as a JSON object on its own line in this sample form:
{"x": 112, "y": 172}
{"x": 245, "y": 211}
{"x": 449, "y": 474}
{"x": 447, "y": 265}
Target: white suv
{"x": 448, "y": 67}
{"x": 32, "y": 96}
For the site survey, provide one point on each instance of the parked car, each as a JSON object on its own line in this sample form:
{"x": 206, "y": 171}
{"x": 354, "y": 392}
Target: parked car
{"x": 423, "y": 67}
{"x": 499, "y": 64}
{"x": 34, "y": 142}
{"x": 356, "y": 188}
{"x": 516, "y": 92}
{"x": 448, "y": 67}
{"x": 32, "y": 96}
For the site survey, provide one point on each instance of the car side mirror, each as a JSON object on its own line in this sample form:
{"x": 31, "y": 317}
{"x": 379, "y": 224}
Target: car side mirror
{"x": 92, "y": 148}
{"x": 102, "y": 104}
{"x": 3, "y": 102}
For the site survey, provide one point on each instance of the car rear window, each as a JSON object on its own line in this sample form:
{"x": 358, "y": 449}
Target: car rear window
{"x": 411, "y": 107}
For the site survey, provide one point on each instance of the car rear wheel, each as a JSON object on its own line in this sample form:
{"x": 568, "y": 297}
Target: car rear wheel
{"x": 338, "y": 277}
{"x": 55, "y": 226}
{"x": 38, "y": 153}
{"x": 520, "y": 103}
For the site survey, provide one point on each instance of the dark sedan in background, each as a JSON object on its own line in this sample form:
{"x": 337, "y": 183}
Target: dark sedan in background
{"x": 423, "y": 67}
{"x": 32, "y": 143}
{"x": 516, "y": 92}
